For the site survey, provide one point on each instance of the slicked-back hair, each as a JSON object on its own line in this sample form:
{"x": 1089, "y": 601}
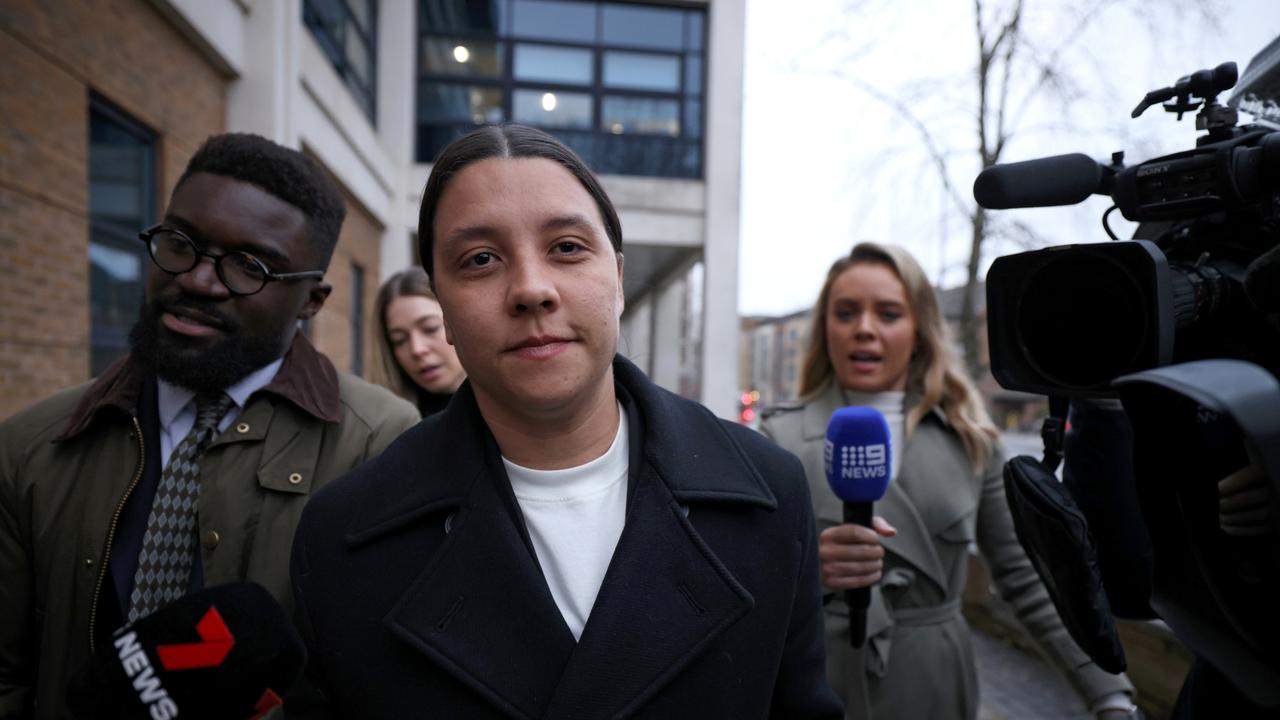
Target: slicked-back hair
{"x": 506, "y": 141}
{"x": 287, "y": 174}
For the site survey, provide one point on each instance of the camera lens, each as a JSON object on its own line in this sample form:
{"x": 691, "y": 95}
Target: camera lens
{"x": 1082, "y": 320}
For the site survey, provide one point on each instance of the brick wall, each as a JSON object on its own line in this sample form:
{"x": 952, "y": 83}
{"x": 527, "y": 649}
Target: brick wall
{"x": 54, "y": 53}
{"x": 360, "y": 243}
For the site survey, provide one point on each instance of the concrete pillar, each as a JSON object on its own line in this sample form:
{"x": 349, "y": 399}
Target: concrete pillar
{"x": 634, "y": 340}
{"x": 667, "y": 334}
{"x": 723, "y": 169}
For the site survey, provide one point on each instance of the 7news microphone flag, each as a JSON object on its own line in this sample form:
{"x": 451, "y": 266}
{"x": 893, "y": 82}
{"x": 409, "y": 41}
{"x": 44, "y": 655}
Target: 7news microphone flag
{"x": 227, "y": 652}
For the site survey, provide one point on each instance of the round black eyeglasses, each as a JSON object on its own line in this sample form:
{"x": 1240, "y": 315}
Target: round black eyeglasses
{"x": 243, "y": 274}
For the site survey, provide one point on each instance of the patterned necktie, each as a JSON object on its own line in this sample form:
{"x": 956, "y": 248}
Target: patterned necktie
{"x": 164, "y": 565}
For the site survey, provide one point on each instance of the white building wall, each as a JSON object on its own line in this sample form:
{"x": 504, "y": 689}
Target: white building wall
{"x": 259, "y": 99}
{"x": 397, "y": 94}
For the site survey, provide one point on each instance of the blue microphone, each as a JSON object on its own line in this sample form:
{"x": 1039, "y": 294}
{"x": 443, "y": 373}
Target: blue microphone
{"x": 856, "y": 458}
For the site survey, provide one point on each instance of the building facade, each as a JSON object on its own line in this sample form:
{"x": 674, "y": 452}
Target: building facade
{"x": 104, "y": 102}
{"x": 772, "y": 355}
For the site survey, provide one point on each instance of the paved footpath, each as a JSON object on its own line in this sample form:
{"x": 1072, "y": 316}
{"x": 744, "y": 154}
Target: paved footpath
{"x": 1018, "y": 685}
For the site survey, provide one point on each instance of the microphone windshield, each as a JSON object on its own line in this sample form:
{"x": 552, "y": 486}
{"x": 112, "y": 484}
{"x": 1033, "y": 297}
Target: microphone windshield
{"x": 227, "y": 651}
{"x": 856, "y": 454}
{"x": 1057, "y": 180}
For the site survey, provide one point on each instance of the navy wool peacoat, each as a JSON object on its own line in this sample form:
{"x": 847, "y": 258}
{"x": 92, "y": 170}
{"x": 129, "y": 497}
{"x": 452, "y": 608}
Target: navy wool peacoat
{"x": 419, "y": 593}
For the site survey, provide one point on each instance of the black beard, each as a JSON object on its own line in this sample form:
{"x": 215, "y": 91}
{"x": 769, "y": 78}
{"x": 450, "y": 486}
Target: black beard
{"x": 202, "y": 369}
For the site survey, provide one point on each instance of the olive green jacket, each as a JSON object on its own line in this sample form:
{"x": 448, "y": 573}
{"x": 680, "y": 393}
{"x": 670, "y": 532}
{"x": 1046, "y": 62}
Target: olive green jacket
{"x": 918, "y": 661}
{"x": 68, "y": 462}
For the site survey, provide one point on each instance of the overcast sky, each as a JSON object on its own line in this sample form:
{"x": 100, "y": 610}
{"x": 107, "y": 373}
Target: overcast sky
{"x": 825, "y": 164}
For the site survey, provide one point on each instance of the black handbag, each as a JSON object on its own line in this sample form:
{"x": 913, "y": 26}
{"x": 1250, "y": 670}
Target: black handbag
{"x": 1055, "y": 535}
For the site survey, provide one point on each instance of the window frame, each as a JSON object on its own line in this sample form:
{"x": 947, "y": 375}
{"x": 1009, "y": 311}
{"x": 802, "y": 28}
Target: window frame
{"x": 357, "y": 318}
{"x": 335, "y": 48}
{"x": 109, "y": 234}
{"x": 507, "y": 83}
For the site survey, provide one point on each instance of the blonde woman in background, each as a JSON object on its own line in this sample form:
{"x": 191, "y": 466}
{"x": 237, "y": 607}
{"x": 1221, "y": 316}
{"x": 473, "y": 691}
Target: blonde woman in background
{"x": 414, "y": 359}
{"x": 878, "y": 340}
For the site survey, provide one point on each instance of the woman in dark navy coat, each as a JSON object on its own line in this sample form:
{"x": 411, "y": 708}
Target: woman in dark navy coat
{"x": 566, "y": 539}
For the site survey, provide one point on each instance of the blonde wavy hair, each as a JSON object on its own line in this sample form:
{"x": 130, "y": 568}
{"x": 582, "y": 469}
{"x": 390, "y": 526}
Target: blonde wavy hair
{"x": 934, "y": 372}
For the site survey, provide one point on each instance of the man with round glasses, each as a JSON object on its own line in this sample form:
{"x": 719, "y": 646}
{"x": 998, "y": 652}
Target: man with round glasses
{"x": 188, "y": 462}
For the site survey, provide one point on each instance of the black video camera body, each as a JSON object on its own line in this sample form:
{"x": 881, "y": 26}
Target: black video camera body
{"x": 1175, "y": 293}
{"x": 1182, "y": 323}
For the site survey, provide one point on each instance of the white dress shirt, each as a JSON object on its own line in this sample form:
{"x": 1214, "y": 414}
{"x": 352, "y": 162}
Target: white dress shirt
{"x": 177, "y": 407}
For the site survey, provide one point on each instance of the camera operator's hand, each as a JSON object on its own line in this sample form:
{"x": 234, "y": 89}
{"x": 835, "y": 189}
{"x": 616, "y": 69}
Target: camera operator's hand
{"x": 851, "y": 555}
{"x": 1115, "y": 706}
{"x": 1245, "y": 502}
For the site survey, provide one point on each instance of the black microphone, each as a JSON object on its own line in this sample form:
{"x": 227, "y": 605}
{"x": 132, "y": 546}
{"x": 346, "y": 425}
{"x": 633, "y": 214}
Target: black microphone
{"x": 856, "y": 456}
{"x": 227, "y": 652}
{"x": 1057, "y": 180}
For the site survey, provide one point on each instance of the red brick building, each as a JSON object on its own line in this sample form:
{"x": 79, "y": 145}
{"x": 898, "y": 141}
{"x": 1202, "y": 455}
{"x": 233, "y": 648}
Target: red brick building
{"x": 103, "y": 103}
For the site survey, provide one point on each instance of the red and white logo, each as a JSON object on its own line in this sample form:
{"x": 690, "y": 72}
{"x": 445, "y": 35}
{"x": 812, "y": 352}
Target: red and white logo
{"x": 215, "y": 642}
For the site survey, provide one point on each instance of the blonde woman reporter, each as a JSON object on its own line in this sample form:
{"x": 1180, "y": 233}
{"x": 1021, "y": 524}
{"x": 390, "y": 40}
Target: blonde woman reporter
{"x": 878, "y": 340}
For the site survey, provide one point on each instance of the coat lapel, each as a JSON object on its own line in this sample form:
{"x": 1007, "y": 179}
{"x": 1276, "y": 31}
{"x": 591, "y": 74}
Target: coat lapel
{"x": 482, "y": 610}
{"x": 666, "y": 596}
{"x": 914, "y": 541}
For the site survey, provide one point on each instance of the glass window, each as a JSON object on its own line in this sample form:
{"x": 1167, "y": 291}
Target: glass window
{"x": 362, "y": 12}
{"x": 619, "y": 82}
{"x": 357, "y": 319}
{"x": 121, "y": 189}
{"x": 470, "y": 17}
{"x": 554, "y": 20}
{"x": 693, "y": 118}
{"x": 639, "y": 115}
{"x": 550, "y": 109}
{"x": 648, "y": 27}
{"x": 544, "y": 63}
{"x": 449, "y": 103}
{"x": 642, "y": 71}
{"x": 359, "y": 58}
{"x": 693, "y": 74}
{"x": 467, "y": 57}
{"x": 694, "y": 30}
{"x": 346, "y": 31}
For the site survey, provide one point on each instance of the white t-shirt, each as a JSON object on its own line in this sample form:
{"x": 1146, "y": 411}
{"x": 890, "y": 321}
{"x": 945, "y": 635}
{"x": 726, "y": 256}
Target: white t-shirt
{"x": 889, "y": 403}
{"x": 575, "y": 517}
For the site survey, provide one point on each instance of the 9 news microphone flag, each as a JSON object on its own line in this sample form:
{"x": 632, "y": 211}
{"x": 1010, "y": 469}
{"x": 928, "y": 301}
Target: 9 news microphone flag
{"x": 227, "y": 652}
{"x": 856, "y": 458}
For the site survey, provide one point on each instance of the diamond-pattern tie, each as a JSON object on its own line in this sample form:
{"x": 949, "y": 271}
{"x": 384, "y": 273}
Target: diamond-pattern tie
{"x": 164, "y": 565}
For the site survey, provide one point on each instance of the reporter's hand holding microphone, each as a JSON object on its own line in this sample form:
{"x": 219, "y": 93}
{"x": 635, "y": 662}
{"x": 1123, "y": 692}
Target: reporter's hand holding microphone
{"x": 856, "y": 456}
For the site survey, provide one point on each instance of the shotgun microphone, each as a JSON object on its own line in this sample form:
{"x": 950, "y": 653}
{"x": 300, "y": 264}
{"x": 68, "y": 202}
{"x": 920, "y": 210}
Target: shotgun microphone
{"x": 856, "y": 458}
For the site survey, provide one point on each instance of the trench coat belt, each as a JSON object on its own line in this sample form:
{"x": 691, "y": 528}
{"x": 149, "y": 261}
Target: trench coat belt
{"x": 931, "y": 615}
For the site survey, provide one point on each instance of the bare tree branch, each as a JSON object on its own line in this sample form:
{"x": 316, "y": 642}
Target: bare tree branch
{"x": 931, "y": 146}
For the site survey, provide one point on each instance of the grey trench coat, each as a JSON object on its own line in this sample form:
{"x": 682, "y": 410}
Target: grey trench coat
{"x": 918, "y": 661}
